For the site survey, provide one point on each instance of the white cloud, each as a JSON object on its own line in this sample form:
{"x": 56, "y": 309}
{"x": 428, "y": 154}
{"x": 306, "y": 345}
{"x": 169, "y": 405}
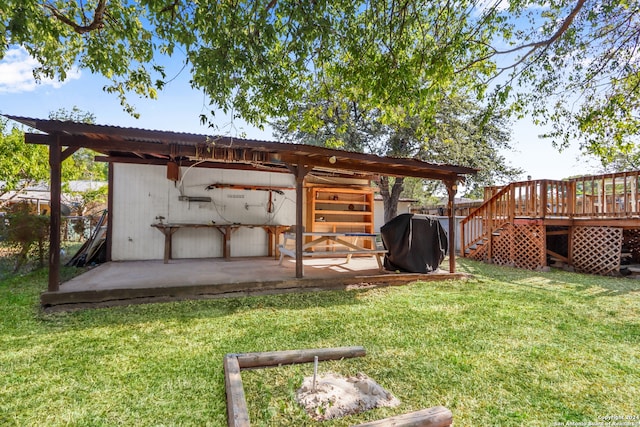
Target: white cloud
{"x": 16, "y": 73}
{"x": 485, "y": 5}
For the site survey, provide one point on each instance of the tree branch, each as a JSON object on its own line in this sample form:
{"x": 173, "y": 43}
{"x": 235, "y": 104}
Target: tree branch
{"x": 271, "y": 4}
{"x": 96, "y": 24}
{"x": 548, "y": 42}
{"x": 531, "y": 46}
{"x": 171, "y": 8}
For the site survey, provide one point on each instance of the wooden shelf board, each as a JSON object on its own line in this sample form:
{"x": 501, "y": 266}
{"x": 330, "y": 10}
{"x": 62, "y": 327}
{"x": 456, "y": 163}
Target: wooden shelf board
{"x": 328, "y": 212}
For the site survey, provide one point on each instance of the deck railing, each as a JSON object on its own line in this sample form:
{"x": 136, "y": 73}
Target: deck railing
{"x": 491, "y": 215}
{"x": 611, "y": 195}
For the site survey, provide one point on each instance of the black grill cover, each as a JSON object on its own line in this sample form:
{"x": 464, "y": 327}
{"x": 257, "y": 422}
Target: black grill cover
{"x": 415, "y": 243}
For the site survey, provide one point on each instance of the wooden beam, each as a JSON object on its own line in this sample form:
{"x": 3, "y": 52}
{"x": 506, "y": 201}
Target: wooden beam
{"x": 55, "y": 165}
{"x": 557, "y": 255}
{"x": 188, "y": 163}
{"x": 558, "y": 233}
{"x": 68, "y": 152}
{"x": 237, "y": 413}
{"x": 290, "y": 357}
{"x": 438, "y": 416}
{"x": 274, "y": 153}
{"x": 112, "y": 144}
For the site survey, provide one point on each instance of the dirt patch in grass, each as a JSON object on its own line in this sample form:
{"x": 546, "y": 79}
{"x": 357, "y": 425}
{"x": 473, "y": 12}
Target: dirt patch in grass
{"x": 336, "y": 396}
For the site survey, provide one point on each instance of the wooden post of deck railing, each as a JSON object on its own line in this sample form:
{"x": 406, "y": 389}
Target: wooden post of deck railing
{"x": 489, "y": 222}
{"x": 571, "y": 198}
{"x": 512, "y": 204}
{"x": 543, "y": 198}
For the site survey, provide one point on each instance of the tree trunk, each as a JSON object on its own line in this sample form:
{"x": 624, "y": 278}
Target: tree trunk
{"x": 391, "y": 197}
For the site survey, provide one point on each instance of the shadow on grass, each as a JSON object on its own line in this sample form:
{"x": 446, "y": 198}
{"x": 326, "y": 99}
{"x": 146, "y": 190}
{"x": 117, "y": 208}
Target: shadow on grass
{"x": 554, "y": 280}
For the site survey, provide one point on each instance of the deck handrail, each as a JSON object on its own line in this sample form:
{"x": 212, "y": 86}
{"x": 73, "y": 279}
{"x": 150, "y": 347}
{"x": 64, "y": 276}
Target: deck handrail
{"x": 614, "y": 195}
{"x": 492, "y": 214}
{"x": 526, "y": 199}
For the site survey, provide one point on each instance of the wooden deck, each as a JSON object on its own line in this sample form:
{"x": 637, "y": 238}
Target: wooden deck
{"x": 136, "y": 282}
{"x": 528, "y": 223}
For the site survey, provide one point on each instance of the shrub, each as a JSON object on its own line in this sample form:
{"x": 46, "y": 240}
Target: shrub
{"x": 25, "y": 234}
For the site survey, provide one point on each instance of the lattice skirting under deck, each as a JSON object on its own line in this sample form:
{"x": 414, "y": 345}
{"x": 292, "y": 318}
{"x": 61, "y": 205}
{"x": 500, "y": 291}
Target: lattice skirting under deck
{"x": 596, "y": 250}
{"x": 521, "y": 246}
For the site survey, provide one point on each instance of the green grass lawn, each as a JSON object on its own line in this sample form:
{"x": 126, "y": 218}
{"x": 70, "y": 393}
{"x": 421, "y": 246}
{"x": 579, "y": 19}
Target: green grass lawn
{"x": 507, "y": 348}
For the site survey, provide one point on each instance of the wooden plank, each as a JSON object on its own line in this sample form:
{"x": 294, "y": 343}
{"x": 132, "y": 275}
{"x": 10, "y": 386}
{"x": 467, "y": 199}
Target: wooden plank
{"x": 558, "y": 233}
{"x": 438, "y": 416}
{"x": 59, "y": 301}
{"x": 289, "y": 357}
{"x": 557, "y": 255}
{"x": 237, "y": 413}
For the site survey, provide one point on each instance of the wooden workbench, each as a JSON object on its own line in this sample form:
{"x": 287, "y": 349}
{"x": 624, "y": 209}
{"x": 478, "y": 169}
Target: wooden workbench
{"x": 226, "y": 230}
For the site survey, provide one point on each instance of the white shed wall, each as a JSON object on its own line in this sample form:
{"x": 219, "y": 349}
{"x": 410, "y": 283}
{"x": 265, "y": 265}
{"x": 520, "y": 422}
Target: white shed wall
{"x": 142, "y": 194}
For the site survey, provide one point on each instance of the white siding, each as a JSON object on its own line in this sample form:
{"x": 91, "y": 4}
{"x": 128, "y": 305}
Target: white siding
{"x": 142, "y": 193}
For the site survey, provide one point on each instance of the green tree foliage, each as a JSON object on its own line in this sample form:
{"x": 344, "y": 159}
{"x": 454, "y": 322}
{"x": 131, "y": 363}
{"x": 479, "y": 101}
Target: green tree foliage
{"x": 462, "y": 133}
{"x": 572, "y": 64}
{"x": 578, "y": 71}
{"x": 21, "y": 165}
{"x": 81, "y": 165}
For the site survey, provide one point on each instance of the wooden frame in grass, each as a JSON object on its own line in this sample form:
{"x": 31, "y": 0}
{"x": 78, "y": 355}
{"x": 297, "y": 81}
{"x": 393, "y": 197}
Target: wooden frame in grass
{"x": 238, "y": 414}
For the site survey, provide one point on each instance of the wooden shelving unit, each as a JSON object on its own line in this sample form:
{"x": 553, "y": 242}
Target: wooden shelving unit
{"x": 339, "y": 209}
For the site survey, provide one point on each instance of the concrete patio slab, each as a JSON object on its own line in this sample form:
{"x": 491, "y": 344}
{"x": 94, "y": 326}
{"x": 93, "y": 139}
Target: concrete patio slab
{"x": 118, "y": 283}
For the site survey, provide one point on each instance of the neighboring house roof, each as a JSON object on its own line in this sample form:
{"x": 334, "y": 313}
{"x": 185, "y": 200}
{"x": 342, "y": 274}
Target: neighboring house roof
{"x": 159, "y": 147}
{"x": 75, "y": 186}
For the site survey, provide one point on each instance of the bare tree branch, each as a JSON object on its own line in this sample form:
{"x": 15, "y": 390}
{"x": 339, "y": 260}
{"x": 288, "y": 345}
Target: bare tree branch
{"x": 548, "y": 42}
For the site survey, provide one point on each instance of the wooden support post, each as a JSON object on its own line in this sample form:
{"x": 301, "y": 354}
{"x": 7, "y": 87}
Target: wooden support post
{"x": 543, "y": 252}
{"x": 55, "y": 161}
{"x": 237, "y": 413}
{"x": 570, "y": 248}
{"x": 300, "y": 171}
{"x": 438, "y": 416}
{"x": 452, "y": 188}
{"x": 299, "y": 227}
{"x": 110, "y": 212}
{"x": 289, "y": 357}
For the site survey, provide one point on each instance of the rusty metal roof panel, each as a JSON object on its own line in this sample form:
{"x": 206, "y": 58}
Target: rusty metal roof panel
{"x": 108, "y": 132}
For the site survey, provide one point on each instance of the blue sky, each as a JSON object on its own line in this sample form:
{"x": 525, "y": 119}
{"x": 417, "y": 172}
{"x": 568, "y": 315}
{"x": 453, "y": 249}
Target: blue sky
{"x": 178, "y": 108}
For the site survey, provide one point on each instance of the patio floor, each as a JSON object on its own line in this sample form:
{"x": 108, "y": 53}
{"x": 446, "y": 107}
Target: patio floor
{"x": 131, "y": 282}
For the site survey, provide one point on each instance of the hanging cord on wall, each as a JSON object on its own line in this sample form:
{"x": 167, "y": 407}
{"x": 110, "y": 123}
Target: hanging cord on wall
{"x": 181, "y": 183}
